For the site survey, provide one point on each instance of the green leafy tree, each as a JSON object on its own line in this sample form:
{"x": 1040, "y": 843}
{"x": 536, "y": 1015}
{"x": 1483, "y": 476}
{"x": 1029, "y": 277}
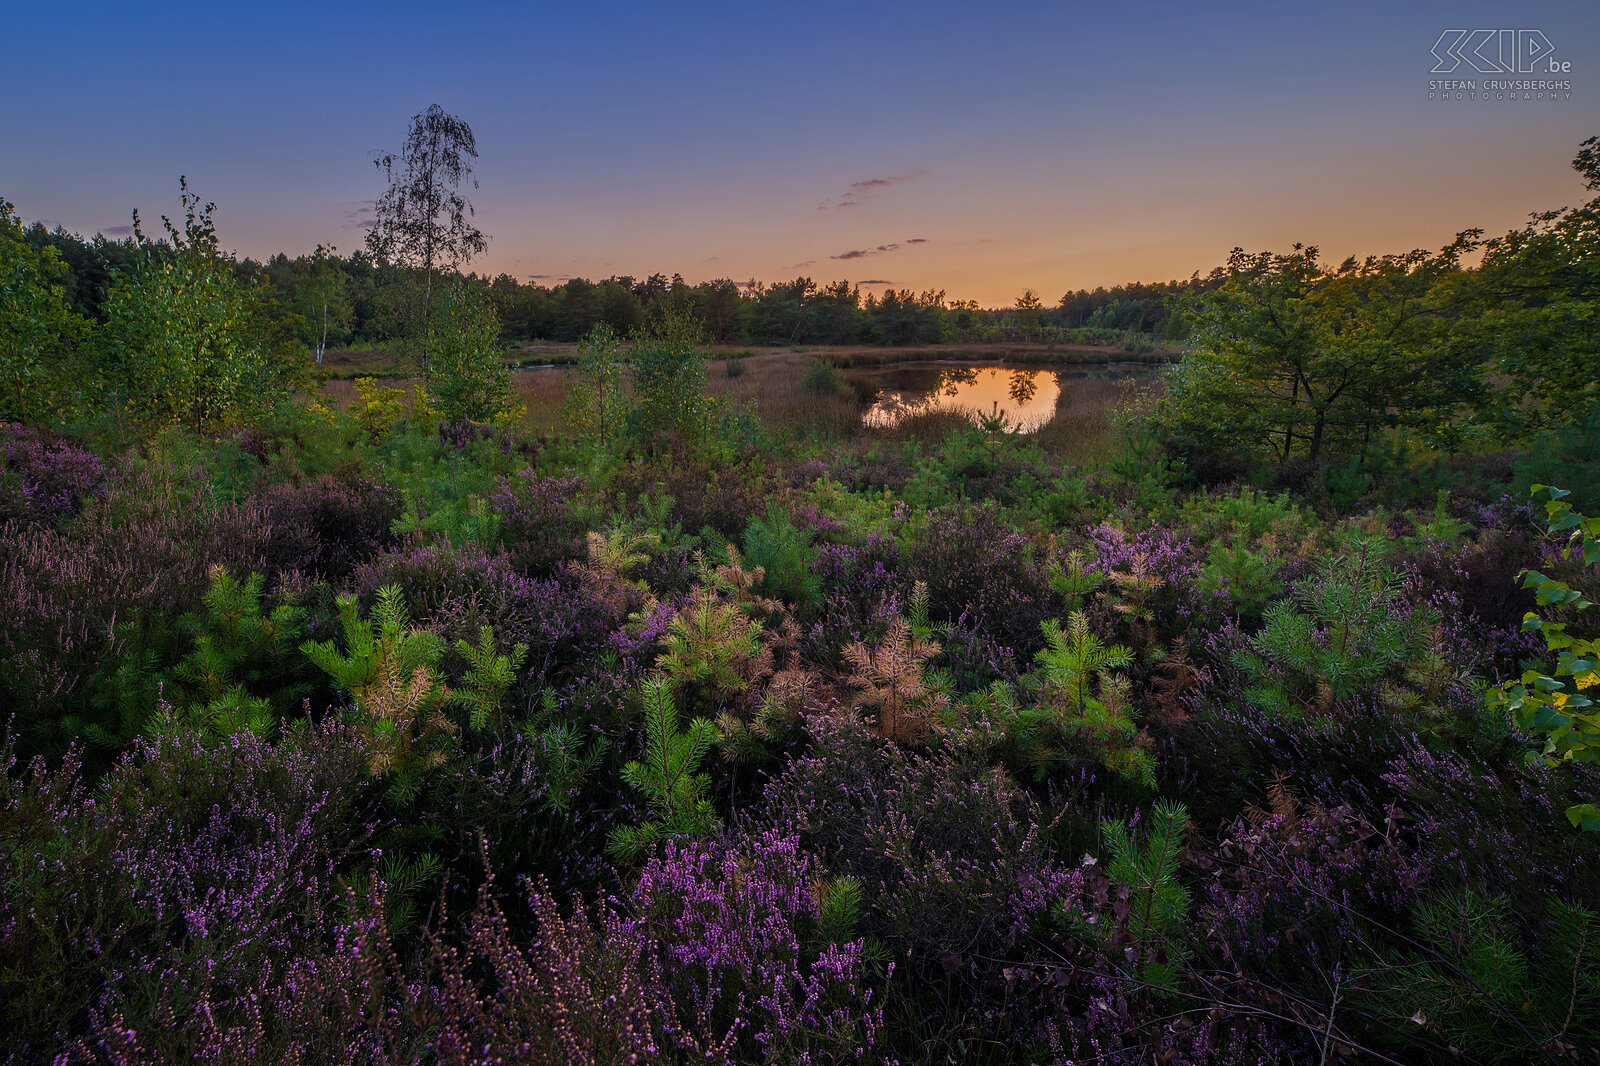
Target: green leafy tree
{"x": 322, "y": 300}
{"x": 423, "y": 218}
{"x": 669, "y": 377}
{"x": 39, "y": 333}
{"x": 467, "y": 381}
{"x": 1296, "y": 362}
{"x": 596, "y": 405}
{"x": 1539, "y": 290}
{"x": 1553, "y": 701}
{"x": 197, "y": 347}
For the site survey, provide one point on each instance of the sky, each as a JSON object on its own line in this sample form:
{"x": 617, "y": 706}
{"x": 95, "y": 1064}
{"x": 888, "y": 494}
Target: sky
{"x": 977, "y": 149}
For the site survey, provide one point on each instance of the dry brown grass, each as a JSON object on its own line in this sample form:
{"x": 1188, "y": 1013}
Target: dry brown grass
{"x": 1081, "y": 430}
{"x": 541, "y": 393}
{"x": 771, "y": 382}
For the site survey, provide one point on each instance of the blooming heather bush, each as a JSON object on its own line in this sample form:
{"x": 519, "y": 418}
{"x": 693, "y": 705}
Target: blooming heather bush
{"x": 951, "y": 853}
{"x": 974, "y": 562}
{"x": 705, "y": 493}
{"x": 1290, "y": 893}
{"x": 1501, "y": 829}
{"x": 733, "y": 923}
{"x": 196, "y": 870}
{"x": 71, "y": 602}
{"x": 862, "y": 591}
{"x": 45, "y": 478}
{"x": 328, "y": 526}
{"x": 567, "y": 993}
{"x": 1151, "y": 579}
{"x": 454, "y": 589}
{"x": 543, "y": 519}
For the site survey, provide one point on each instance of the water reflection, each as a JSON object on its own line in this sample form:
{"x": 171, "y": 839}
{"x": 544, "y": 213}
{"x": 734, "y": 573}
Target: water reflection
{"x": 1026, "y": 397}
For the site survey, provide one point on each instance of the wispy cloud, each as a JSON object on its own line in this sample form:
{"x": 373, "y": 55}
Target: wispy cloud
{"x": 358, "y": 212}
{"x": 862, "y": 253}
{"x": 875, "y": 281}
{"x": 860, "y": 191}
{"x": 117, "y": 231}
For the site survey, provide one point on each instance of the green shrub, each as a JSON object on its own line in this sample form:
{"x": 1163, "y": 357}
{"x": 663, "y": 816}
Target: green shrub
{"x": 783, "y": 551}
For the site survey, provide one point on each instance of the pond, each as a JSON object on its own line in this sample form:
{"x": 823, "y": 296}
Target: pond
{"x": 1025, "y": 395}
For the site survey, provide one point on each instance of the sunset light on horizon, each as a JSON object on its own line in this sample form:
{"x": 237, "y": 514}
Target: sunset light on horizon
{"x": 1042, "y": 147}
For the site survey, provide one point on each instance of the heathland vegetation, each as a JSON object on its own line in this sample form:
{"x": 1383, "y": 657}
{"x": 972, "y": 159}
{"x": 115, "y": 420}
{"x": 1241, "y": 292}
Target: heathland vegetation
{"x": 656, "y": 709}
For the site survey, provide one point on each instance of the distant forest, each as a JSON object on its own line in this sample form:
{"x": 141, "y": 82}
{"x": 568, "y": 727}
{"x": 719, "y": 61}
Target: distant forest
{"x": 358, "y": 301}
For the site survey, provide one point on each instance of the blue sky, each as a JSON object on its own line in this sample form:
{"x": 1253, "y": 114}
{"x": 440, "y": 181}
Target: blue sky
{"x": 1044, "y": 146}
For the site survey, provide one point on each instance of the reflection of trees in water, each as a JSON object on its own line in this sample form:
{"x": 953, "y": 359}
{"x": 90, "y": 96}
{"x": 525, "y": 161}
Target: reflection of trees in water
{"x": 956, "y": 383}
{"x": 1024, "y": 384}
{"x": 950, "y": 381}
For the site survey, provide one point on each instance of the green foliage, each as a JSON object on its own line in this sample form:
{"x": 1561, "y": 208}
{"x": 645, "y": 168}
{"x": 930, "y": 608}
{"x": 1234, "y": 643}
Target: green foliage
{"x": 1149, "y": 919}
{"x": 669, "y": 378}
{"x": 1294, "y": 361}
{"x": 1538, "y": 325}
{"x": 1073, "y": 580}
{"x": 669, "y": 777}
{"x": 1081, "y": 704}
{"x": 39, "y": 334}
{"x": 1566, "y": 455}
{"x": 488, "y": 678}
{"x": 322, "y": 301}
{"x": 1247, "y": 511}
{"x": 1072, "y": 657}
{"x": 568, "y": 755}
{"x": 822, "y": 378}
{"x": 390, "y": 669}
{"x": 194, "y": 345}
{"x": 783, "y": 552}
{"x": 243, "y": 662}
{"x": 1472, "y": 983}
{"x": 1249, "y": 578}
{"x": 595, "y": 405}
{"x": 1552, "y": 702}
{"x": 713, "y": 650}
{"x": 467, "y": 381}
{"x": 1346, "y": 628}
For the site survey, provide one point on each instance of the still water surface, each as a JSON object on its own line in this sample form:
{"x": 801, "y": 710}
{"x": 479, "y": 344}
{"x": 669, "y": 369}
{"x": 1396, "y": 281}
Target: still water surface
{"x": 1026, "y": 396}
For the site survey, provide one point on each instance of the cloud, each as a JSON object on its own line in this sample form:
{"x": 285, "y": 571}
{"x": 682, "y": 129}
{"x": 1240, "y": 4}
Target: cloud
{"x": 875, "y": 281}
{"x": 359, "y": 212}
{"x": 862, "y": 253}
{"x": 860, "y": 191}
{"x": 542, "y": 277}
{"x": 117, "y": 231}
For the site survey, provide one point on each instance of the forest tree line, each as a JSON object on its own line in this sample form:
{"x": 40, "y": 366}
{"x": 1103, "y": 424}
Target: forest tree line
{"x": 358, "y": 300}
